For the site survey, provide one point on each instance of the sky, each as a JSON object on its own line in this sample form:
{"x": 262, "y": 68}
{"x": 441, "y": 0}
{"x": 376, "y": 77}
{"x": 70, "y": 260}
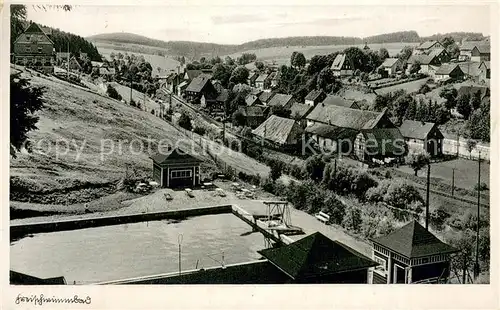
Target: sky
{"x": 236, "y": 23}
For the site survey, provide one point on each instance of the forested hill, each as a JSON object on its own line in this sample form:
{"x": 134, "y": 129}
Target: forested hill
{"x": 197, "y": 49}
{"x": 77, "y": 44}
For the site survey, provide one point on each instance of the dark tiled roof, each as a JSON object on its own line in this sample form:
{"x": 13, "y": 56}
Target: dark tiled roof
{"x": 427, "y": 45}
{"x": 389, "y": 62}
{"x": 253, "y": 111}
{"x": 266, "y": 96}
{"x": 416, "y": 129}
{"x": 314, "y": 94}
{"x": 470, "y": 68}
{"x": 469, "y": 45}
{"x": 316, "y": 256}
{"x": 193, "y": 73}
{"x": 174, "y": 156}
{"x": 384, "y": 141}
{"x": 299, "y": 109}
{"x": 276, "y": 129}
{"x": 339, "y": 101}
{"x": 252, "y": 99}
{"x": 413, "y": 240}
{"x": 332, "y": 132}
{"x": 484, "y": 48}
{"x": 198, "y": 84}
{"x": 447, "y": 68}
{"x": 279, "y": 100}
{"x": 18, "y": 278}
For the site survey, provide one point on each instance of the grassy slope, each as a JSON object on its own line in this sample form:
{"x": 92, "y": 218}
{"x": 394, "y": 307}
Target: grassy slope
{"x": 72, "y": 113}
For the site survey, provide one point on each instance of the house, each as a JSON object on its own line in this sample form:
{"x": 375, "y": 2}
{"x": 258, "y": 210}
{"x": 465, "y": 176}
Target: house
{"x": 424, "y": 136}
{"x": 411, "y": 254}
{"x": 265, "y": 97}
{"x": 314, "y": 97}
{"x": 430, "y": 62}
{"x": 281, "y": 100}
{"x": 339, "y": 101}
{"x": 262, "y": 81}
{"x": 251, "y": 100}
{"x": 222, "y": 97}
{"x": 470, "y": 69}
{"x": 251, "y": 78}
{"x": 190, "y": 75}
{"x": 318, "y": 259}
{"x": 172, "y": 81}
{"x": 298, "y": 112}
{"x": 427, "y": 47}
{"x": 391, "y": 65}
{"x": 484, "y": 71}
{"x": 181, "y": 88}
{"x": 33, "y": 48}
{"x": 342, "y": 66}
{"x": 254, "y": 115}
{"x": 380, "y": 145}
{"x": 448, "y": 71}
{"x": 466, "y": 50}
{"x": 274, "y": 78}
{"x": 279, "y": 131}
{"x": 176, "y": 168}
{"x": 481, "y": 52}
{"x": 201, "y": 88}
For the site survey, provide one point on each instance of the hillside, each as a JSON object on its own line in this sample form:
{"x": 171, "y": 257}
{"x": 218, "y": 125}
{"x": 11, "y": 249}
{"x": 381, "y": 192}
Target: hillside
{"x": 88, "y": 123}
{"x": 198, "y": 49}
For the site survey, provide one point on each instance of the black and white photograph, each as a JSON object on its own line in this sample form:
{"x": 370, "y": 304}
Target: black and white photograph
{"x": 242, "y": 144}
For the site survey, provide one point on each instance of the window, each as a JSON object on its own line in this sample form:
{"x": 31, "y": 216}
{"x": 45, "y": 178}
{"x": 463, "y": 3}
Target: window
{"x": 28, "y": 49}
{"x": 180, "y": 174}
{"x": 382, "y": 267}
{"x": 40, "y": 49}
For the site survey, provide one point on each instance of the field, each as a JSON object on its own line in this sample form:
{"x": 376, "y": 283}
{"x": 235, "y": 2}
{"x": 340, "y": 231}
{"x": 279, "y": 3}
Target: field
{"x": 408, "y": 87}
{"x": 167, "y": 64}
{"x": 281, "y": 55}
{"x": 137, "y": 96}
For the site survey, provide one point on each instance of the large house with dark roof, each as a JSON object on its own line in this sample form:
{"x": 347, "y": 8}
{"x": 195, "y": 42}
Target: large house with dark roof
{"x": 411, "y": 254}
{"x": 424, "y": 136}
{"x": 265, "y": 97}
{"x": 481, "y": 52}
{"x": 466, "y": 49}
{"x": 33, "y": 48}
{"x": 254, "y": 115}
{"x": 201, "y": 91}
{"x": 318, "y": 259}
{"x": 176, "y": 168}
{"x": 281, "y": 100}
{"x": 298, "y": 112}
{"x": 429, "y": 62}
{"x": 427, "y": 47}
{"x": 262, "y": 81}
{"x": 342, "y": 66}
{"x": 448, "y": 71}
{"x": 190, "y": 75}
{"x": 391, "y": 66}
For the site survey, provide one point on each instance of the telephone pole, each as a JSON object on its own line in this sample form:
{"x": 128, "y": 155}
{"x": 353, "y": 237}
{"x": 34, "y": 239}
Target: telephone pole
{"x": 130, "y": 88}
{"x": 427, "y": 196}
{"x": 67, "y": 65}
{"x": 476, "y": 263}
{"x": 452, "y": 182}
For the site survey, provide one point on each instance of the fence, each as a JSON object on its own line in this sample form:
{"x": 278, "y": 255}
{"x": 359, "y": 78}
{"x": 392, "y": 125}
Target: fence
{"x": 454, "y": 147}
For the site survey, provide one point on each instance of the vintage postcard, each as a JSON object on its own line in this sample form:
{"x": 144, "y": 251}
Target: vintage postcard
{"x": 173, "y": 145}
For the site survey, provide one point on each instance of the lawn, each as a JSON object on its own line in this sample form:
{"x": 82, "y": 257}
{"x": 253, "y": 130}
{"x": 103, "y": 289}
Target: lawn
{"x": 409, "y": 87}
{"x": 137, "y": 96}
{"x": 466, "y": 172}
{"x": 281, "y": 55}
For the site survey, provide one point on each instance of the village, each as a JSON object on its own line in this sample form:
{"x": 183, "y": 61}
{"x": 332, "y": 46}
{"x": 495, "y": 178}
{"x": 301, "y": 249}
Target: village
{"x": 378, "y": 161}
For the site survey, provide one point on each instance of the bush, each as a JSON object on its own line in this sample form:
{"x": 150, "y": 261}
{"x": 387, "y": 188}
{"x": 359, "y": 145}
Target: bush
{"x": 482, "y": 187}
{"x": 199, "y": 130}
{"x": 314, "y": 167}
{"x": 185, "y": 121}
{"x": 348, "y": 180}
{"x": 438, "y": 218}
{"x": 113, "y": 93}
{"x": 334, "y": 208}
{"x": 352, "y": 219}
{"x": 276, "y": 169}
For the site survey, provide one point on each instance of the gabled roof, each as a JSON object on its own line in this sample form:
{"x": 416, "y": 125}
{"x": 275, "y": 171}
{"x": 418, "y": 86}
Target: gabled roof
{"x": 483, "y": 48}
{"x": 384, "y": 141}
{"x": 470, "y": 68}
{"x": 266, "y": 96}
{"x": 192, "y": 74}
{"x": 261, "y": 78}
{"x": 339, "y": 101}
{"x": 389, "y": 62}
{"x": 280, "y": 100}
{"x": 338, "y": 62}
{"x": 251, "y": 100}
{"x": 276, "y": 129}
{"x": 300, "y": 110}
{"x": 469, "y": 45}
{"x": 345, "y": 117}
{"x": 253, "y": 111}
{"x": 316, "y": 256}
{"x": 416, "y": 129}
{"x": 174, "y": 156}
{"x": 34, "y": 28}
{"x": 413, "y": 240}
{"x": 332, "y": 132}
{"x": 447, "y": 68}
{"x": 427, "y": 44}
{"x": 486, "y": 64}
{"x": 256, "y": 92}
{"x": 198, "y": 83}
{"x": 314, "y": 95}
{"x": 426, "y": 59}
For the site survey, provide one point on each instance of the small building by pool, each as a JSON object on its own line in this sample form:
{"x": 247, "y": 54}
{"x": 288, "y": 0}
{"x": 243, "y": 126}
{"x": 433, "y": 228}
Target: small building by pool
{"x": 176, "y": 168}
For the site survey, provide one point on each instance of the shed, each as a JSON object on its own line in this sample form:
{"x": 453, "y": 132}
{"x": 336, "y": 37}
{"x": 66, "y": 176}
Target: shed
{"x": 424, "y": 136}
{"x": 176, "y": 168}
{"x": 314, "y": 97}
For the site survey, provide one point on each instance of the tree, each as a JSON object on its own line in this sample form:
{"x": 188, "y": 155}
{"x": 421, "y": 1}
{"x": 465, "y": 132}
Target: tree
{"x": 314, "y": 167}
{"x": 317, "y": 63}
{"x": 383, "y": 53}
{"x": 357, "y": 57}
{"x": 400, "y": 105}
{"x": 185, "y": 121}
{"x": 238, "y": 119}
{"x": 229, "y": 61}
{"x": 239, "y": 75}
{"x": 424, "y": 89}
{"x": 475, "y": 101}
{"x": 471, "y": 145}
{"x": 463, "y": 105}
{"x": 450, "y": 94}
{"x": 327, "y": 81}
{"x": 111, "y": 92}
{"x": 276, "y": 170}
{"x": 417, "y": 160}
{"x": 299, "y": 60}
{"x": 447, "y": 41}
{"x": 415, "y": 68}
{"x": 221, "y": 73}
{"x": 405, "y": 53}
{"x": 25, "y": 101}
{"x": 259, "y": 65}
